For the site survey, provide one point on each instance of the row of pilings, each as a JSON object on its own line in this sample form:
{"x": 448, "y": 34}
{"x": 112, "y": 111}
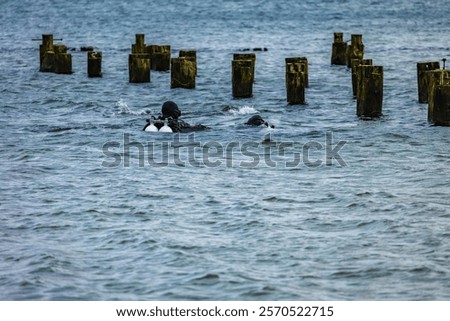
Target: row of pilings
{"x": 433, "y": 86}
{"x": 366, "y": 78}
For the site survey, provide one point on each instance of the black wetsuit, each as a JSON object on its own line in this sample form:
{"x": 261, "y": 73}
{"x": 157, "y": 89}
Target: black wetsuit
{"x": 177, "y": 125}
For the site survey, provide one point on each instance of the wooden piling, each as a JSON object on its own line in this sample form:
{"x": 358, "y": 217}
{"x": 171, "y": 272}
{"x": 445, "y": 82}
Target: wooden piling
{"x": 436, "y": 99}
{"x": 139, "y": 68}
{"x": 139, "y": 61}
{"x": 369, "y": 101}
{"x": 46, "y": 63}
{"x": 191, "y": 54}
{"x": 439, "y": 112}
{"x": 247, "y": 56}
{"x": 139, "y": 47}
{"x": 339, "y": 50}
{"x": 295, "y": 83}
{"x": 182, "y": 73}
{"x": 355, "y": 50}
{"x": 242, "y": 78}
{"x": 63, "y": 63}
{"x": 422, "y": 78}
{"x": 54, "y": 58}
{"x": 355, "y": 80}
{"x": 94, "y": 64}
{"x": 304, "y": 62}
{"x": 160, "y": 57}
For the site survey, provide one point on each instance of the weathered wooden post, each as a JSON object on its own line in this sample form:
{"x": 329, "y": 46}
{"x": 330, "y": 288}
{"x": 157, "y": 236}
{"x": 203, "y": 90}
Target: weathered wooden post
{"x": 242, "y": 78}
{"x": 295, "y": 83}
{"x": 191, "y": 54}
{"x": 160, "y": 57}
{"x": 304, "y": 62}
{"x": 46, "y": 54}
{"x": 439, "y": 113}
{"x": 139, "y": 62}
{"x": 355, "y": 50}
{"x": 139, "y": 68}
{"x": 139, "y": 47}
{"x": 94, "y": 64}
{"x": 63, "y": 60}
{"x": 422, "y": 78}
{"x": 355, "y": 80}
{"x": 182, "y": 73}
{"x": 339, "y": 50}
{"x": 247, "y": 56}
{"x": 369, "y": 100}
{"x": 438, "y": 103}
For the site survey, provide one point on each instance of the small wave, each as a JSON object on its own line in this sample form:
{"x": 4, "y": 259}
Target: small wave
{"x": 208, "y": 277}
{"x": 244, "y": 110}
{"x": 124, "y": 109}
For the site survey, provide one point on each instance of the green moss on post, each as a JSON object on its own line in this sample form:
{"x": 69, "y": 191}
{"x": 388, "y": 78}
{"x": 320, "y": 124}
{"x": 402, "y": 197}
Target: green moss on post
{"x": 355, "y": 75}
{"x": 139, "y": 68}
{"x": 46, "y": 54}
{"x": 369, "y": 101}
{"x": 94, "y": 65}
{"x": 422, "y": 78}
{"x": 54, "y": 58}
{"x": 355, "y": 50}
{"x": 439, "y": 111}
{"x": 436, "y": 78}
{"x": 304, "y": 62}
{"x": 182, "y": 73}
{"x": 339, "y": 50}
{"x": 139, "y": 61}
{"x": 191, "y": 54}
{"x": 63, "y": 63}
{"x": 139, "y": 47}
{"x": 63, "y": 60}
{"x": 247, "y": 56}
{"x": 242, "y": 78}
{"x": 295, "y": 83}
{"x": 160, "y": 57}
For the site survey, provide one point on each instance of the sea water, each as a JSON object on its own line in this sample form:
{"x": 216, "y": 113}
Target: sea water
{"x": 325, "y": 206}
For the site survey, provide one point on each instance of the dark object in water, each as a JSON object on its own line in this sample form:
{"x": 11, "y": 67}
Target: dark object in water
{"x": 170, "y": 109}
{"x": 88, "y": 48}
{"x": 171, "y": 112}
{"x": 257, "y": 120}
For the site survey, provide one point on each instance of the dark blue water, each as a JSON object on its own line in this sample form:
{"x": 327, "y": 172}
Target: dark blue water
{"x": 224, "y": 216}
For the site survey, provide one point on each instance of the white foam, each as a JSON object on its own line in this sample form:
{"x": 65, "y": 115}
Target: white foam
{"x": 123, "y": 106}
{"x": 244, "y": 110}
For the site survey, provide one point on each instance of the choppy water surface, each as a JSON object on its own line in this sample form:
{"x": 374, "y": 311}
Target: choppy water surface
{"x": 227, "y": 225}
